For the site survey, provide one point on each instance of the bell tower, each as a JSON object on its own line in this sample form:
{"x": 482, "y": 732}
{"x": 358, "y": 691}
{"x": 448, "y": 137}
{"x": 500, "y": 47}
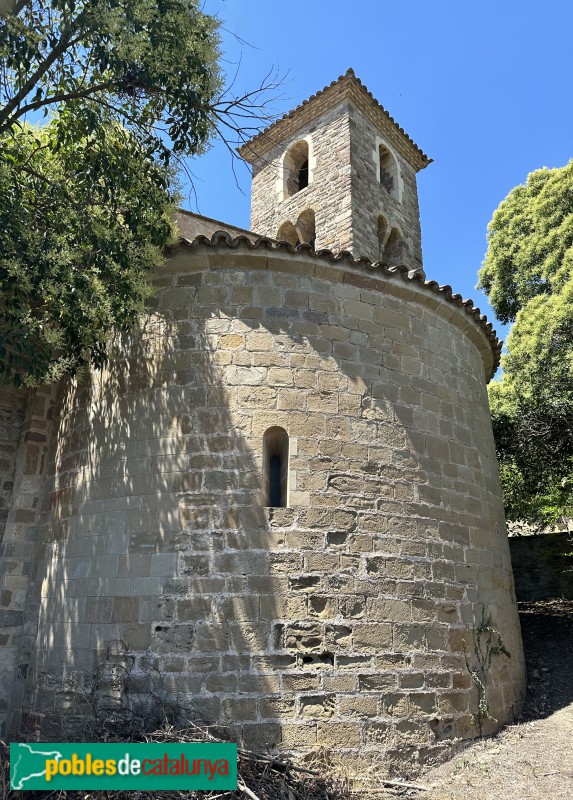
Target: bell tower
{"x": 340, "y": 174}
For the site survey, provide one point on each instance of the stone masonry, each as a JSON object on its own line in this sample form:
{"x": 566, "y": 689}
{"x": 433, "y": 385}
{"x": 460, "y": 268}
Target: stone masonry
{"x": 340, "y": 620}
{"x": 25, "y": 430}
{"x": 141, "y": 538}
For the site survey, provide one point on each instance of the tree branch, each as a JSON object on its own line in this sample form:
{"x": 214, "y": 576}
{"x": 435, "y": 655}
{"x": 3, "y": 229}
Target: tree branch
{"x": 7, "y": 114}
{"x": 62, "y": 98}
{"x": 20, "y": 6}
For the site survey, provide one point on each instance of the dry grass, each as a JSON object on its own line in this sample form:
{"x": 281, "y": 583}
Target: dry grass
{"x": 532, "y": 760}
{"x": 260, "y": 777}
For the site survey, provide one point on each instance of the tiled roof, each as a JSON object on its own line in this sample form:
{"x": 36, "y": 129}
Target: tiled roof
{"x": 348, "y": 82}
{"x": 344, "y": 258}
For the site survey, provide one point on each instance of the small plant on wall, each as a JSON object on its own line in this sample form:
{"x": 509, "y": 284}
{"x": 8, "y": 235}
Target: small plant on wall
{"x": 487, "y": 643}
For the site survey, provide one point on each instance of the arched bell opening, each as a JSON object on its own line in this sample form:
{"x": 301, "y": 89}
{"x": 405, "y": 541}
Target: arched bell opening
{"x": 288, "y": 233}
{"x": 296, "y": 168}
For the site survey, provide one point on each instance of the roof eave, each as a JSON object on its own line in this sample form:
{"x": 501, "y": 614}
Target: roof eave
{"x": 340, "y": 90}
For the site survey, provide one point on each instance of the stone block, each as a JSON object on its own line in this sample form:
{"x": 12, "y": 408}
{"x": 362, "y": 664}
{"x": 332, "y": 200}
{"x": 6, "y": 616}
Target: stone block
{"x": 11, "y": 619}
{"x": 453, "y": 702}
{"x": 277, "y": 707}
{"x": 322, "y": 562}
{"x": 296, "y": 736}
{"x": 194, "y": 564}
{"x": 411, "y": 680}
{"x": 260, "y": 736}
{"x": 376, "y": 732}
{"x": 332, "y": 734}
{"x": 221, "y": 684}
{"x": 409, "y": 637}
{"x": 173, "y": 638}
{"x": 377, "y": 683}
{"x": 124, "y": 609}
{"x": 211, "y": 638}
{"x": 285, "y": 563}
{"x": 352, "y": 607}
{"x": 422, "y": 702}
{"x": 300, "y": 682}
{"x": 372, "y": 636}
{"x": 381, "y": 609}
{"x": 396, "y": 705}
{"x": 246, "y": 637}
{"x": 279, "y": 376}
{"x": 357, "y": 705}
{"x": 338, "y": 637}
{"x": 163, "y": 564}
{"x": 317, "y": 706}
{"x": 303, "y": 636}
{"x": 131, "y": 565}
{"x": 322, "y": 606}
{"x": 266, "y": 584}
{"x": 304, "y": 583}
{"x": 339, "y": 682}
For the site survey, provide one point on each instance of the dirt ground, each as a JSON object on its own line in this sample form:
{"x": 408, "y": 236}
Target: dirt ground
{"x": 532, "y": 760}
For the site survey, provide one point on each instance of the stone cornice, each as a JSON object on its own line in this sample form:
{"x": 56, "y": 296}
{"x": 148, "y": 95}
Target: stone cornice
{"x": 353, "y": 271}
{"x": 346, "y": 87}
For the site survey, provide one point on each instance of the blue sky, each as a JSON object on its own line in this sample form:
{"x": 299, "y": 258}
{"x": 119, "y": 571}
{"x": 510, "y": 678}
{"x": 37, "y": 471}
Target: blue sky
{"x": 485, "y": 89}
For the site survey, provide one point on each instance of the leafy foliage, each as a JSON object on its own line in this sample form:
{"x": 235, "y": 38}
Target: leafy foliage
{"x": 131, "y": 87}
{"x": 86, "y": 204}
{"x": 530, "y": 242}
{"x": 528, "y": 273}
{"x": 82, "y": 225}
{"x": 153, "y": 64}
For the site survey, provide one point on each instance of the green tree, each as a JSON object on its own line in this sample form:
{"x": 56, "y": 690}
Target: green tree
{"x": 81, "y": 227}
{"x": 528, "y": 275}
{"x": 151, "y": 64}
{"x": 130, "y": 88}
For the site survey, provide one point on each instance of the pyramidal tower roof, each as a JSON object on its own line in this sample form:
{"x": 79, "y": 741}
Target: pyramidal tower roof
{"x": 346, "y": 87}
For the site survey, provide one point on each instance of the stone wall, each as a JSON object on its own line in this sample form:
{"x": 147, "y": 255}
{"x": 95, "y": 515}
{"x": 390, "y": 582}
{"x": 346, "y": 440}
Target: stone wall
{"x": 341, "y": 620}
{"x": 12, "y": 411}
{"x": 543, "y": 565}
{"x": 24, "y": 434}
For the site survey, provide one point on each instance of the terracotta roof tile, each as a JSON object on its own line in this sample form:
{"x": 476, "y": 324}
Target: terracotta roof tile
{"x": 350, "y": 80}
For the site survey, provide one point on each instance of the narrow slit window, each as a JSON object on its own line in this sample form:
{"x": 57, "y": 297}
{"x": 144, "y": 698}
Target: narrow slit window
{"x": 386, "y": 168}
{"x": 275, "y": 467}
{"x": 303, "y": 176}
{"x": 275, "y": 498}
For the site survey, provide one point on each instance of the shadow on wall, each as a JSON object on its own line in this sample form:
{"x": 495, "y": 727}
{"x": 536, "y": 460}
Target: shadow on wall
{"x": 339, "y": 620}
{"x": 155, "y": 544}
